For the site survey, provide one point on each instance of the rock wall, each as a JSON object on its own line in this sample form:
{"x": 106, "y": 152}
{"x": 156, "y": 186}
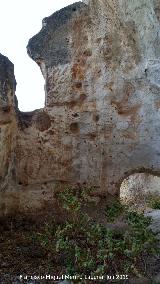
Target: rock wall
{"x": 8, "y": 132}
{"x": 101, "y": 120}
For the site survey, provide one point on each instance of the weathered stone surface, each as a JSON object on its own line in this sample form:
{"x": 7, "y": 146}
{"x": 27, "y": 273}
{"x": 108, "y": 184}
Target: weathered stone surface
{"x": 155, "y": 225}
{"x": 52, "y": 43}
{"x": 100, "y": 123}
{"x": 8, "y": 127}
{"x": 112, "y": 77}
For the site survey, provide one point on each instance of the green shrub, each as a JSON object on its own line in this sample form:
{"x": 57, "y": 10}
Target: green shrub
{"x": 114, "y": 210}
{"x": 88, "y": 247}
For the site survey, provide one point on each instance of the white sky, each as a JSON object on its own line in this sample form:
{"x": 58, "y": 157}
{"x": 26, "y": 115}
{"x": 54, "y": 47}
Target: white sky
{"x": 19, "y": 21}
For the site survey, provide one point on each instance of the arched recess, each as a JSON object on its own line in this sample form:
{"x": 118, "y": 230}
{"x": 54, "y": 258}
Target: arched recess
{"x": 138, "y": 188}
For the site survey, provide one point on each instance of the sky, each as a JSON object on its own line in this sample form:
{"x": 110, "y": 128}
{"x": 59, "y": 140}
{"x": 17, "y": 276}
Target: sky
{"x": 19, "y": 21}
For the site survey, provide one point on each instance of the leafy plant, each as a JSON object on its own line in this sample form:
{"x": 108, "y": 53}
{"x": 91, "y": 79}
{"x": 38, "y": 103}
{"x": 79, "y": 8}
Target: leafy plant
{"x": 90, "y": 248}
{"x": 114, "y": 210}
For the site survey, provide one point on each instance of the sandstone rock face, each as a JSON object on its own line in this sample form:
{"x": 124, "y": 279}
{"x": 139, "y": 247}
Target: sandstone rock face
{"x": 8, "y": 130}
{"x": 101, "y": 120}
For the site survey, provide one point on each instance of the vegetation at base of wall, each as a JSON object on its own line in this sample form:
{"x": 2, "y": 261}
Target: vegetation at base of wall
{"x": 153, "y": 201}
{"x": 114, "y": 210}
{"x": 87, "y": 247}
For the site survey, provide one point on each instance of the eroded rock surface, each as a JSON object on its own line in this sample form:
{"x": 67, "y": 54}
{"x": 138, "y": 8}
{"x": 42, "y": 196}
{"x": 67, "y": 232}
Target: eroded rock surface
{"x": 101, "y": 120}
{"x": 155, "y": 225}
{"x": 8, "y": 131}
